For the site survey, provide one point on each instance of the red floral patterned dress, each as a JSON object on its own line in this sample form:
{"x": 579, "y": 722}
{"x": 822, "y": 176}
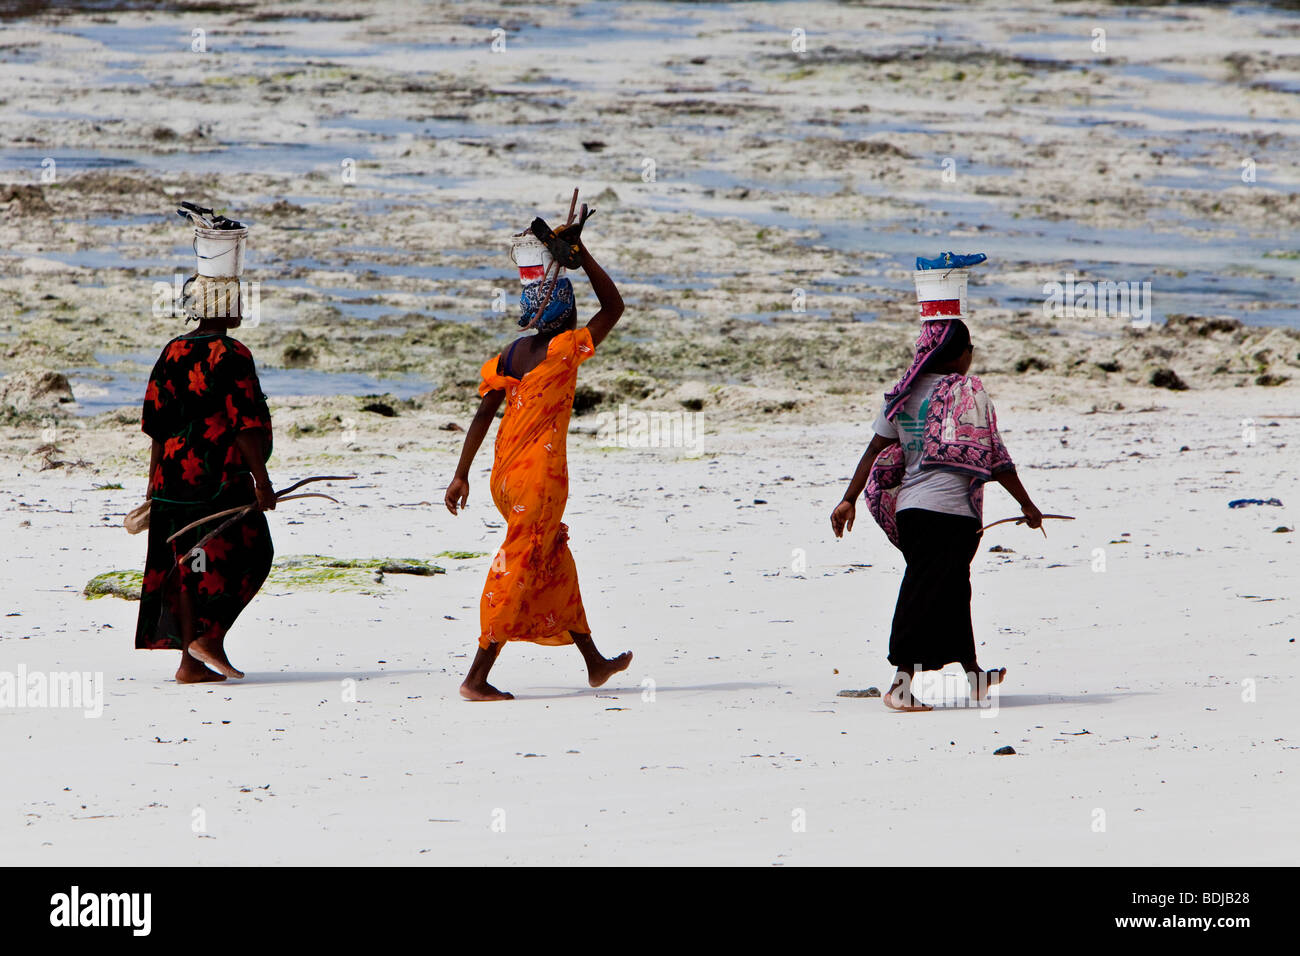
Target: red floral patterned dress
{"x": 202, "y": 393}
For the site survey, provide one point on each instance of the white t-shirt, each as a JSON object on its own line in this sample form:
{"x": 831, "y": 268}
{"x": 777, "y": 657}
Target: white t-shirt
{"x": 933, "y": 489}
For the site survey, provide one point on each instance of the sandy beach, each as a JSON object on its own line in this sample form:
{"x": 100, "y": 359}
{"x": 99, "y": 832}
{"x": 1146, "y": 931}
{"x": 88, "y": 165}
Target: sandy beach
{"x": 1150, "y": 644}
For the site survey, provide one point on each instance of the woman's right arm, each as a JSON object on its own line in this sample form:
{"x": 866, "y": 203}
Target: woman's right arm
{"x": 611, "y": 303}
{"x": 844, "y": 513}
{"x": 1011, "y": 481}
{"x": 458, "y": 491}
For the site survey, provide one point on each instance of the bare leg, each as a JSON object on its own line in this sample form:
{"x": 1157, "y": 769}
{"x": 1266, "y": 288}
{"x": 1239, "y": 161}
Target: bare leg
{"x": 981, "y": 680}
{"x": 192, "y": 670}
{"x": 900, "y": 694}
{"x": 599, "y": 668}
{"x": 476, "y": 686}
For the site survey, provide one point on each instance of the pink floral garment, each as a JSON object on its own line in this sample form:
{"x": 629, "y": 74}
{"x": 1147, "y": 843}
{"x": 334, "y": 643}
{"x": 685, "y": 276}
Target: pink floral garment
{"x": 960, "y": 434}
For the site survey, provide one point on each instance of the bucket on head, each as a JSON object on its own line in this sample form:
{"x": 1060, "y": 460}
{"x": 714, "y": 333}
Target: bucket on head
{"x": 941, "y": 293}
{"x": 531, "y": 256}
{"x": 220, "y": 252}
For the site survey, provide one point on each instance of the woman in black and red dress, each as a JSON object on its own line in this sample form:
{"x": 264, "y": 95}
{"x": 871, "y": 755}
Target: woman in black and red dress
{"x": 211, "y": 431}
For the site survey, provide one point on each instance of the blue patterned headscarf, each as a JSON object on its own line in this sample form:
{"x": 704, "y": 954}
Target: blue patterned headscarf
{"x": 558, "y": 309}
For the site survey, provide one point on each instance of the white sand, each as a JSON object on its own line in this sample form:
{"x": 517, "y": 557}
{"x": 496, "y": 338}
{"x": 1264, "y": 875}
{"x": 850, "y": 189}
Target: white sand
{"x": 744, "y": 730}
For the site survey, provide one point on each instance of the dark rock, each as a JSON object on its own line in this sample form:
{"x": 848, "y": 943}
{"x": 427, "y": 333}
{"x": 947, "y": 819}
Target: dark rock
{"x": 586, "y": 398}
{"x": 869, "y": 692}
{"x": 1004, "y": 751}
{"x": 1168, "y": 378}
{"x": 298, "y": 356}
{"x": 380, "y": 408}
{"x": 1201, "y": 325}
{"x": 1032, "y": 363}
{"x": 28, "y": 200}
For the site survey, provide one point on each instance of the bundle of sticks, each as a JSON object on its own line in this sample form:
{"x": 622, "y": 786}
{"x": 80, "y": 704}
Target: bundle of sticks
{"x": 234, "y": 514}
{"x": 564, "y": 252}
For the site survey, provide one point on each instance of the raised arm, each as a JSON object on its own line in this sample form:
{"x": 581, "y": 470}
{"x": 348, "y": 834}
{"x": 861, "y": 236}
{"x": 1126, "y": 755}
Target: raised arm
{"x": 844, "y": 513}
{"x": 458, "y": 491}
{"x": 611, "y": 303}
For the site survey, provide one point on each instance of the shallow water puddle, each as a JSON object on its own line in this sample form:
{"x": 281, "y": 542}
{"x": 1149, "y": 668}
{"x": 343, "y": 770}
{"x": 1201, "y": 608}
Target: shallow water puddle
{"x": 100, "y": 390}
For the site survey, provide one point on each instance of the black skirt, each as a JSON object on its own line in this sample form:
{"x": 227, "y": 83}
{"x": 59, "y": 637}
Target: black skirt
{"x": 932, "y": 626}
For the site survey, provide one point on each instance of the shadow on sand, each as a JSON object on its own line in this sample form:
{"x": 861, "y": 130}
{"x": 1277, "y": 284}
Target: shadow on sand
{"x": 1034, "y": 700}
{"x": 614, "y": 688}
{"x": 319, "y": 677}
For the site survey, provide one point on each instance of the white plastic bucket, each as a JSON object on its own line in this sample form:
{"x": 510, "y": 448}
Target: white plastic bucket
{"x": 941, "y": 293}
{"x": 220, "y": 252}
{"x": 531, "y": 256}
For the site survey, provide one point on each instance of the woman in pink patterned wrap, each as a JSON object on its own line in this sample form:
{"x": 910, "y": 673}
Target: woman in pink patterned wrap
{"x": 936, "y": 443}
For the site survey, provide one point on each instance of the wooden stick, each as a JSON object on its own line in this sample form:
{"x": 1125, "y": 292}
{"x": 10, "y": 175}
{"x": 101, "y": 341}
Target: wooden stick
{"x": 212, "y": 534}
{"x": 282, "y": 495}
{"x": 241, "y": 513}
{"x": 1023, "y": 518}
{"x": 546, "y": 299}
{"x": 306, "y": 481}
{"x": 220, "y": 514}
{"x": 308, "y": 494}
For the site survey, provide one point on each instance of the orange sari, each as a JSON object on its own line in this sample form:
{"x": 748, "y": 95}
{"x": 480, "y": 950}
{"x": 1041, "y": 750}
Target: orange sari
{"x": 531, "y": 592}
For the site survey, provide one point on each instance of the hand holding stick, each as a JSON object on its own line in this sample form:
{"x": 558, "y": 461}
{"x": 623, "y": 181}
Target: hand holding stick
{"x": 241, "y": 510}
{"x": 1023, "y": 518}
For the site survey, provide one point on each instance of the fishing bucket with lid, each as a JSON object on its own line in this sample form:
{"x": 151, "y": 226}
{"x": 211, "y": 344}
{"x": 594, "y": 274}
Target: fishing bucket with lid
{"x": 531, "y": 256}
{"x": 220, "y": 252}
{"x": 941, "y": 293}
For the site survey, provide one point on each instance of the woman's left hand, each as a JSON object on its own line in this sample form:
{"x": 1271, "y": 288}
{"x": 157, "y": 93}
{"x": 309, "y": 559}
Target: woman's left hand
{"x": 842, "y": 518}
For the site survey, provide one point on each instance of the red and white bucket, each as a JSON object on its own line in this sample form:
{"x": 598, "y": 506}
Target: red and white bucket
{"x": 941, "y": 293}
{"x": 530, "y": 255}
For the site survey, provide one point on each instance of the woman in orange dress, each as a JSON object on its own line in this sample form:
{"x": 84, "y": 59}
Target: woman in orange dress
{"x": 532, "y": 592}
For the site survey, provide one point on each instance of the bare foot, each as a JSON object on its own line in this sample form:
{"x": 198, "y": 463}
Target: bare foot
{"x": 981, "y": 682}
{"x": 900, "y": 699}
{"x": 483, "y": 691}
{"x": 214, "y": 656}
{"x": 192, "y": 672}
{"x": 599, "y": 673}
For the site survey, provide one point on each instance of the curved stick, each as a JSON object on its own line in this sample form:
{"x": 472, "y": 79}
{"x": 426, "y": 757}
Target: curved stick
{"x": 309, "y": 494}
{"x": 282, "y": 495}
{"x": 285, "y": 491}
{"x": 1023, "y": 518}
{"x": 212, "y": 534}
{"x": 220, "y": 514}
